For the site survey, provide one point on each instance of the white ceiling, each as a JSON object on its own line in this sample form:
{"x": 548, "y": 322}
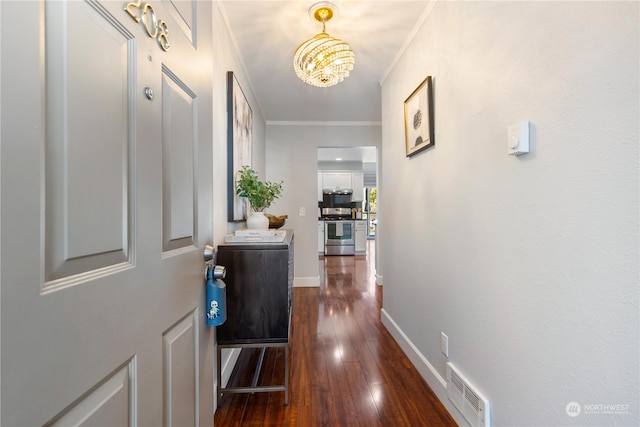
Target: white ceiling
{"x": 267, "y": 33}
{"x": 348, "y": 154}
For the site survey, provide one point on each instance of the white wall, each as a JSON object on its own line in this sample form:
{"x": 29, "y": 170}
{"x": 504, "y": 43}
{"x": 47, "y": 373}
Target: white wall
{"x": 529, "y": 264}
{"x": 225, "y": 58}
{"x": 292, "y": 156}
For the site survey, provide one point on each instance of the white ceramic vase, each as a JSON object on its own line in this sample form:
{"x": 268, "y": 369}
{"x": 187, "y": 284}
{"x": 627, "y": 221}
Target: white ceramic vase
{"x": 257, "y": 220}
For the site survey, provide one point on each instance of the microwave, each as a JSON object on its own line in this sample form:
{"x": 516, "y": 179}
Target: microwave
{"x": 337, "y": 198}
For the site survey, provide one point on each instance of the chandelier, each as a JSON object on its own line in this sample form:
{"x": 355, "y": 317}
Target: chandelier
{"x": 323, "y": 60}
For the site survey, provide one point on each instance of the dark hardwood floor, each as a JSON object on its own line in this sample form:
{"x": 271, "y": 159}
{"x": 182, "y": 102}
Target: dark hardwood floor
{"x": 345, "y": 369}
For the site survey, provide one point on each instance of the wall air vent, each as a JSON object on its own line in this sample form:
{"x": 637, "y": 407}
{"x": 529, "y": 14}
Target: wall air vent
{"x": 471, "y": 404}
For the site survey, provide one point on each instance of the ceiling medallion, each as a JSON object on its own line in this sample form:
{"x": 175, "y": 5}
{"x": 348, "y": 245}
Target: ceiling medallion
{"x": 323, "y": 60}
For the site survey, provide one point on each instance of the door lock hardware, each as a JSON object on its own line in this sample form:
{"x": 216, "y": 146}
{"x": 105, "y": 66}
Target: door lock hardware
{"x": 148, "y": 93}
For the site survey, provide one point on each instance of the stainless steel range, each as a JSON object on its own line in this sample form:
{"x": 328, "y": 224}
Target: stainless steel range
{"x": 339, "y": 237}
{"x": 337, "y": 211}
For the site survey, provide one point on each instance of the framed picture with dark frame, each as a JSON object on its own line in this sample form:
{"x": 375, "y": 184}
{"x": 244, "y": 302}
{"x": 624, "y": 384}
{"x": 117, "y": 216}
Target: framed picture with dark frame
{"x": 418, "y": 118}
{"x": 239, "y": 127}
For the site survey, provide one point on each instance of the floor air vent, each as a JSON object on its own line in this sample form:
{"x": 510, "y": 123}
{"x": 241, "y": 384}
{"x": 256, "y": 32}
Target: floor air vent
{"x": 471, "y": 404}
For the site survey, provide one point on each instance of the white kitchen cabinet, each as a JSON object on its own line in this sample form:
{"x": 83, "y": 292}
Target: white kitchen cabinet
{"x": 361, "y": 237}
{"x": 320, "y": 186}
{"x": 357, "y": 184}
{"x": 336, "y": 180}
{"x": 321, "y": 237}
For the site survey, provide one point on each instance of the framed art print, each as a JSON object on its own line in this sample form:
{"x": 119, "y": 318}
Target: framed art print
{"x": 418, "y": 118}
{"x": 239, "y": 125}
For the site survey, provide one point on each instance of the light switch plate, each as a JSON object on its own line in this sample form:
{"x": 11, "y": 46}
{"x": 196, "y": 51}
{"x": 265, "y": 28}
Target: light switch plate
{"x": 444, "y": 343}
{"x": 518, "y": 139}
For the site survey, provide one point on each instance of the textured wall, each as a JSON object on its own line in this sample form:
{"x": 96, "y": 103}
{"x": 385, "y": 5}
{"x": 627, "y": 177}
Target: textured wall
{"x": 529, "y": 264}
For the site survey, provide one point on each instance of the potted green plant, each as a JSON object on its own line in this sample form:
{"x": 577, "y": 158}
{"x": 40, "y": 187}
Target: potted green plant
{"x": 260, "y": 195}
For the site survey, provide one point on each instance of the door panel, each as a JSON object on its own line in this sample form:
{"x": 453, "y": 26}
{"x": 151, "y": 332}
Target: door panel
{"x": 180, "y": 372}
{"x": 109, "y": 404}
{"x": 184, "y": 13}
{"x": 87, "y": 154}
{"x": 179, "y": 109}
{"x": 101, "y": 317}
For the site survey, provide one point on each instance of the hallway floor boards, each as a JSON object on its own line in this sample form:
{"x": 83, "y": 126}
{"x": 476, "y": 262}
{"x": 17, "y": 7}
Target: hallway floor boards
{"x": 346, "y": 370}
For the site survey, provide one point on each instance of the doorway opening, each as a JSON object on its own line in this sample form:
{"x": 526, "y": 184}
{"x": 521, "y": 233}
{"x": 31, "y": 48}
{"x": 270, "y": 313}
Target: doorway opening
{"x": 370, "y": 211}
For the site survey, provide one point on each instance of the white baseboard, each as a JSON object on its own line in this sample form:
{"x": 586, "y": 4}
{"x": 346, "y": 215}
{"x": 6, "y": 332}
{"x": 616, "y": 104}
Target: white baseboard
{"x": 378, "y": 279}
{"x": 229, "y": 359}
{"x": 426, "y": 369}
{"x": 306, "y": 282}
{"x": 228, "y": 363}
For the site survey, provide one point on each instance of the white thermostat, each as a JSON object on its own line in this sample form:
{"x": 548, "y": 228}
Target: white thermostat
{"x": 518, "y": 139}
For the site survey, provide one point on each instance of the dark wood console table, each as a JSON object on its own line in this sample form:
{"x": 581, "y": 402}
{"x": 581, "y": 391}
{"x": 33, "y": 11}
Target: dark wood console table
{"x": 259, "y": 301}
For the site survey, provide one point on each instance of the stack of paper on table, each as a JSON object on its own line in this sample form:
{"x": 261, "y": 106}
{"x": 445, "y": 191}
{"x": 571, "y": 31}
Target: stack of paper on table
{"x": 256, "y": 235}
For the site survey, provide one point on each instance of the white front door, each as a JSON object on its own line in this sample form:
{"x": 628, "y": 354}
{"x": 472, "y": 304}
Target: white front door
{"x": 105, "y": 211}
